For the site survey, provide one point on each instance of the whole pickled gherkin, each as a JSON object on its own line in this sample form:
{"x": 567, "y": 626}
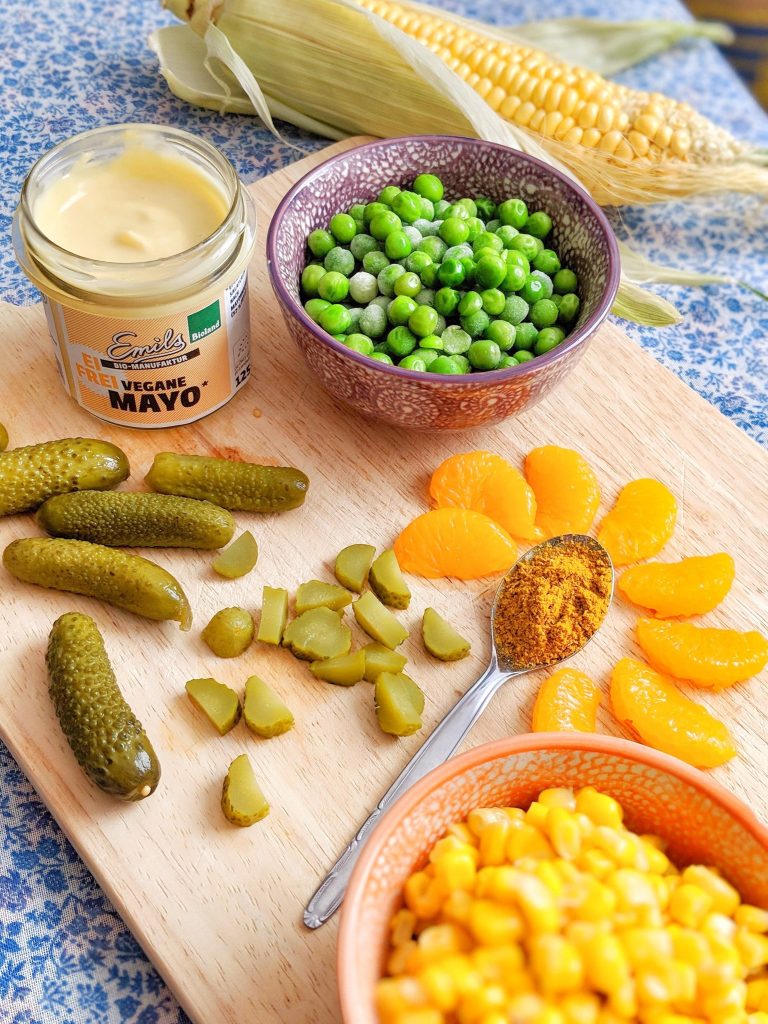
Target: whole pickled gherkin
{"x": 134, "y": 519}
{"x": 240, "y": 486}
{"x": 106, "y": 737}
{"x": 30, "y": 475}
{"x": 127, "y": 581}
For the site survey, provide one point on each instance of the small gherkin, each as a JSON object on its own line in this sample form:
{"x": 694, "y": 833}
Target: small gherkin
{"x": 107, "y": 739}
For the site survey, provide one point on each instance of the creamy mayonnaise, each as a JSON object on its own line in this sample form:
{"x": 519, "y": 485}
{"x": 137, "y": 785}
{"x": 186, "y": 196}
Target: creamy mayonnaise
{"x": 141, "y": 205}
{"x": 139, "y": 238}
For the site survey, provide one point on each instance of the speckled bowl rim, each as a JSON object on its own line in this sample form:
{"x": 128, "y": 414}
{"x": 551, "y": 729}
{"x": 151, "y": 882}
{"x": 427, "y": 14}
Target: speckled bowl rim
{"x": 351, "y": 991}
{"x": 489, "y": 376}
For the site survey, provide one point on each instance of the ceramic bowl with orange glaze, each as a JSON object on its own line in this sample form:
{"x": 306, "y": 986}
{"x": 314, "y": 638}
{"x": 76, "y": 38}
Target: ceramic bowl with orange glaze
{"x": 468, "y": 167}
{"x": 701, "y": 821}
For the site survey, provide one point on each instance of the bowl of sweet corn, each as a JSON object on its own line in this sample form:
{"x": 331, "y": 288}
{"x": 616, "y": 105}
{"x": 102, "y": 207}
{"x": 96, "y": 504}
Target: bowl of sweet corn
{"x": 559, "y": 879}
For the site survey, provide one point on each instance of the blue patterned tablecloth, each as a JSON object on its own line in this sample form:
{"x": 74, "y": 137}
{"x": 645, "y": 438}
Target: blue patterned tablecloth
{"x": 65, "y": 955}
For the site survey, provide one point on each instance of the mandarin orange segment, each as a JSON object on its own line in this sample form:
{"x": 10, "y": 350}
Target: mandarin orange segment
{"x": 566, "y": 702}
{"x": 489, "y": 484}
{"x": 454, "y": 542}
{"x": 640, "y": 523}
{"x": 689, "y": 587}
{"x": 566, "y": 489}
{"x": 703, "y": 656}
{"x": 655, "y": 711}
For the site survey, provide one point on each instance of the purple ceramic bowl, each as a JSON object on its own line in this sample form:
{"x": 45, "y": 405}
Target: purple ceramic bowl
{"x": 424, "y": 401}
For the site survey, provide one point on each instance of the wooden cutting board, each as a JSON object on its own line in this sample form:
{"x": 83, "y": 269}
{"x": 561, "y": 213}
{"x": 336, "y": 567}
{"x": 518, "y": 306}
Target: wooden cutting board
{"x": 218, "y": 909}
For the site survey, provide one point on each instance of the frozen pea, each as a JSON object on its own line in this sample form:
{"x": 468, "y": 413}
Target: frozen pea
{"x": 386, "y": 279}
{"x": 457, "y": 252}
{"x": 434, "y": 247}
{"x": 340, "y": 260}
{"x": 493, "y": 225}
{"x": 455, "y": 340}
{"x": 423, "y": 226}
{"x": 373, "y": 321}
{"x": 429, "y": 355}
{"x": 363, "y": 287}
{"x": 381, "y": 300}
{"x": 413, "y": 233}
{"x": 440, "y": 207}
{"x": 360, "y": 343}
{"x": 355, "y": 312}
{"x": 441, "y": 324}
{"x": 362, "y": 244}
{"x": 427, "y": 210}
{"x": 375, "y": 261}
{"x": 426, "y": 297}
{"x": 515, "y": 309}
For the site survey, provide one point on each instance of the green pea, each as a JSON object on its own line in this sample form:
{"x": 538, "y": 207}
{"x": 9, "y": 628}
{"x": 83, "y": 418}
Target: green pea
{"x": 506, "y": 362}
{"x": 429, "y": 355}
{"x": 372, "y": 209}
{"x": 429, "y": 186}
{"x": 382, "y": 357}
{"x": 314, "y": 307}
{"x": 502, "y": 333}
{"x": 451, "y": 272}
{"x": 457, "y": 210}
{"x": 514, "y": 212}
{"x": 397, "y": 245}
{"x": 429, "y": 275}
{"x": 335, "y": 319}
{"x": 515, "y": 309}
{"x": 333, "y": 286}
{"x": 423, "y": 321}
{"x": 388, "y": 277}
{"x": 471, "y": 302}
{"x": 416, "y": 261}
{"x": 469, "y": 268}
{"x": 486, "y": 250}
{"x": 484, "y": 354}
{"x": 408, "y": 284}
{"x": 339, "y": 337}
{"x": 343, "y": 227}
{"x": 384, "y": 224}
{"x": 543, "y": 313}
{"x": 569, "y": 307}
{"x": 547, "y": 261}
{"x": 565, "y": 281}
{"x": 432, "y": 246}
{"x": 446, "y": 300}
{"x": 446, "y": 364}
{"x": 381, "y": 346}
{"x": 549, "y": 338}
{"x": 490, "y": 271}
{"x": 454, "y": 231}
{"x": 462, "y": 362}
{"x": 486, "y": 239}
{"x": 524, "y": 356}
{"x": 505, "y": 234}
{"x": 427, "y": 209}
{"x": 539, "y": 224}
{"x": 469, "y": 206}
{"x": 360, "y": 343}
{"x": 493, "y": 225}
{"x": 514, "y": 279}
{"x": 310, "y": 278}
{"x": 320, "y": 242}
{"x": 475, "y": 324}
{"x": 362, "y": 244}
{"x": 401, "y": 341}
{"x": 532, "y": 289}
{"x": 526, "y": 244}
{"x": 434, "y": 342}
{"x": 557, "y": 299}
{"x": 339, "y": 260}
{"x": 486, "y": 208}
{"x": 514, "y": 258}
{"x": 493, "y": 301}
{"x": 387, "y": 194}
{"x": 474, "y": 227}
{"x": 374, "y": 261}
{"x": 413, "y": 362}
{"x": 407, "y": 206}
{"x": 525, "y": 336}
{"x": 546, "y": 282}
{"x": 440, "y": 207}
{"x": 400, "y": 309}
{"x": 357, "y": 211}
{"x": 455, "y": 340}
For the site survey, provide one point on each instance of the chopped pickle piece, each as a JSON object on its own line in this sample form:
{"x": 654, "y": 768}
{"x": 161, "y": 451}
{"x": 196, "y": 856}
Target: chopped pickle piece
{"x": 263, "y": 711}
{"x": 274, "y": 615}
{"x": 3, "y": 438}
{"x": 242, "y": 801}
{"x": 399, "y": 704}
{"x": 318, "y": 633}
{"x": 379, "y": 658}
{"x": 387, "y": 581}
{"x": 352, "y": 565}
{"x": 239, "y": 558}
{"x": 316, "y": 594}
{"x": 344, "y": 670}
{"x": 218, "y": 702}
{"x": 379, "y": 622}
{"x": 229, "y": 633}
{"x": 441, "y": 639}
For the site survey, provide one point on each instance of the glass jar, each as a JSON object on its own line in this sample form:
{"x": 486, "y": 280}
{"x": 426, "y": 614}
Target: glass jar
{"x": 146, "y": 344}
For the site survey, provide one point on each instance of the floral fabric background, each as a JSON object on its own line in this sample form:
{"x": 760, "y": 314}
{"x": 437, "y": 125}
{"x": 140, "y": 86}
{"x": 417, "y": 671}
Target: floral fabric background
{"x": 65, "y": 955}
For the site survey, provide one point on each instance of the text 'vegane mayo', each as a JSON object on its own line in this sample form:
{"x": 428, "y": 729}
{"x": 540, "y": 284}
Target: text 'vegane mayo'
{"x": 139, "y": 238}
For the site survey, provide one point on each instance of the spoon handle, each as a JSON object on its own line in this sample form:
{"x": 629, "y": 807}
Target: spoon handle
{"x": 438, "y": 748}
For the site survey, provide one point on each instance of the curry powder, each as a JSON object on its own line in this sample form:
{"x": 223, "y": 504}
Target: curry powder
{"x": 552, "y": 604}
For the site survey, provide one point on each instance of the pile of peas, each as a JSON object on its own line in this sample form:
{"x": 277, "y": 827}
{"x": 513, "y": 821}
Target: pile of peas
{"x": 439, "y": 287}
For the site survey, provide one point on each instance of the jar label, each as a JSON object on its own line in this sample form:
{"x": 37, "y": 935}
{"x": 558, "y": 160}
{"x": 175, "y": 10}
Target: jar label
{"x": 155, "y": 372}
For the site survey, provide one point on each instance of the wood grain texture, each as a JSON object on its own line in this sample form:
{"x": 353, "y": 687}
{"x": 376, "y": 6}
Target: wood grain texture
{"x": 219, "y": 909}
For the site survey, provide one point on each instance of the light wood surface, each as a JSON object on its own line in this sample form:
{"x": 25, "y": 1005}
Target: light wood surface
{"x": 218, "y": 909}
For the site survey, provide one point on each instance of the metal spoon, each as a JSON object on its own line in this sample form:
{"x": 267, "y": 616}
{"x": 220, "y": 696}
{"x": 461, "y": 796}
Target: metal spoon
{"x": 443, "y": 742}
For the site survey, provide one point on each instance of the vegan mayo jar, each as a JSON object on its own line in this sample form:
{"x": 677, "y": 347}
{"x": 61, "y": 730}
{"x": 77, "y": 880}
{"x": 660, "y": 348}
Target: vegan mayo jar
{"x": 139, "y": 238}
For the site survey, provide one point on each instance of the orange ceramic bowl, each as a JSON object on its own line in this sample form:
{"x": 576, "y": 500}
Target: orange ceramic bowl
{"x": 700, "y": 819}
